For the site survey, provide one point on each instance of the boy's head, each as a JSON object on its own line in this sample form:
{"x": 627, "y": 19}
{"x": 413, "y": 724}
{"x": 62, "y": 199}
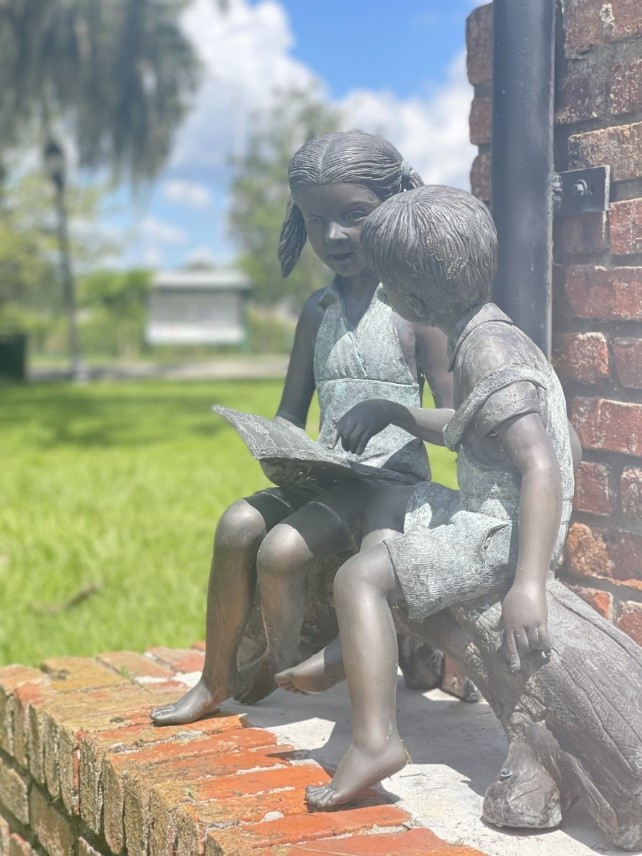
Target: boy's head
{"x": 434, "y": 249}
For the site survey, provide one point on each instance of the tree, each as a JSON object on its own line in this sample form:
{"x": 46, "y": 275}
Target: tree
{"x": 114, "y": 79}
{"x": 259, "y": 195}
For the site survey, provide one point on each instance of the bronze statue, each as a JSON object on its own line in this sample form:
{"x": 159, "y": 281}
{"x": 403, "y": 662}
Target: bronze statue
{"x": 349, "y": 346}
{"x": 574, "y": 722}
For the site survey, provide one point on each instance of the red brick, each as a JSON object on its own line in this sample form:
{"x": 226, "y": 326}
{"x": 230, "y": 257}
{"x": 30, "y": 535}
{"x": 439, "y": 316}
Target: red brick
{"x": 79, "y": 673}
{"x": 631, "y": 492}
{"x": 628, "y": 361}
{"x": 85, "y": 849}
{"x": 588, "y": 23}
{"x": 593, "y": 493}
{"x": 586, "y": 552}
{"x": 582, "y": 92}
{"x": 167, "y": 797}
{"x": 305, "y": 827}
{"x": 625, "y": 550}
{"x": 180, "y": 660}
{"x": 132, "y": 666}
{"x": 601, "y": 601}
{"x": 11, "y": 678}
{"x": 14, "y": 792}
{"x": 199, "y": 646}
{"x": 626, "y": 87}
{"x": 480, "y": 121}
{"x": 619, "y": 146}
{"x": 576, "y": 236}
{"x": 583, "y": 357}
{"x": 19, "y": 847}
{"x": 613, "y": 426}
{"x": 413, "y": 842}
{"x": 479, "y": 43}
{"x": 50, "y": 826}
{"x": 630, "y": 619}
{"x": 5, "y": 835}
{"x": 626, "y": 226}
{"x": 595, "y": 292}
{"x": 480, "y": 177}
{"x": 120, "y": 771}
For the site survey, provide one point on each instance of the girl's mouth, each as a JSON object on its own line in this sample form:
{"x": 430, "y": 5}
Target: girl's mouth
{"x": 339, "y": 257}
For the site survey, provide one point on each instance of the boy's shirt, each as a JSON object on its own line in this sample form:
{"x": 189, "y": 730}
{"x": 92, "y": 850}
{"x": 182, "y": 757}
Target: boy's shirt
{"x": 498, "y": 374}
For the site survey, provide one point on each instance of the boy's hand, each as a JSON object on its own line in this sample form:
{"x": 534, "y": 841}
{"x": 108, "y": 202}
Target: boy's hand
{"x": 524, "y": 617}
{"x": 359, "y": 425}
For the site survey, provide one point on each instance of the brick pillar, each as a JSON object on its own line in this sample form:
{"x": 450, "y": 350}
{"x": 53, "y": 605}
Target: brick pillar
{"x": 597, "y": 289}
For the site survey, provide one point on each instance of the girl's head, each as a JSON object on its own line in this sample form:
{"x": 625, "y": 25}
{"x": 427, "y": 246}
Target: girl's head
{"x": 352, "y": 160}
{"x": 435, "y": 251}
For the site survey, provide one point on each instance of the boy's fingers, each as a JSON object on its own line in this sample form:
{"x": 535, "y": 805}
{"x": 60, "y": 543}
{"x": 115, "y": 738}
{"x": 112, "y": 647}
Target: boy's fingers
{"x": 514, "y": 663}
{"x": 545, "y": 640}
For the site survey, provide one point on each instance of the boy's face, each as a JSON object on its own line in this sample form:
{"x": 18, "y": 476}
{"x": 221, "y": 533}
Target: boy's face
{"x": 334, "y": 215}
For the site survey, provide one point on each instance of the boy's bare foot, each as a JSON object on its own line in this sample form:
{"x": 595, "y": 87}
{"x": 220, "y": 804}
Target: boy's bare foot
{"x": 198, "y": 702}
{"x": 359, "y": 769}
{"x": 316, "y": 674}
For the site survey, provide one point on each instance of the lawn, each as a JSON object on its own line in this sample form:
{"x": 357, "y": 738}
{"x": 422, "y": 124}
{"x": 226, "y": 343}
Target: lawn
{"x": 118, "y": 486}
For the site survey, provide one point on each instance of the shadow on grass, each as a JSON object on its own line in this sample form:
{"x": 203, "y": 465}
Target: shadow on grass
{"x": 59, "y": 415}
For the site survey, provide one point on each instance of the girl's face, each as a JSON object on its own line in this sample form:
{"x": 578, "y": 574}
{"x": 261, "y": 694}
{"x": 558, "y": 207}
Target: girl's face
{"x": 334, "y": 216}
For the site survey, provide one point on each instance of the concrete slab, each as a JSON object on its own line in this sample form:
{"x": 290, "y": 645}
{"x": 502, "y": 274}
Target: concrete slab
{"x": 456, "y": 748}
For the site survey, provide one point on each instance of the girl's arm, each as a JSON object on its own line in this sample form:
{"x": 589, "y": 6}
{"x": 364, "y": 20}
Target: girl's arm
{"x": 540, "y": 510}
{"x": 299, "y": 385}
{"x": 432, "y": 359}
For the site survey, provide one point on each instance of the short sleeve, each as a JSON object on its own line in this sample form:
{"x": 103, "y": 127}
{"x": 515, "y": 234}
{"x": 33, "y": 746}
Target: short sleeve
{"x": 518, "y": 399}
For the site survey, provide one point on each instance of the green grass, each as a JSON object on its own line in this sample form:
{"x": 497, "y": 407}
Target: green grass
{"x": 118, "y": 484}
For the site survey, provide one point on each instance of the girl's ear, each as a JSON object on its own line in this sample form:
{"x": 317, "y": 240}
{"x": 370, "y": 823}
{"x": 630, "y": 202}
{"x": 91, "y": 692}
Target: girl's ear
{"x": 293, "y": 237}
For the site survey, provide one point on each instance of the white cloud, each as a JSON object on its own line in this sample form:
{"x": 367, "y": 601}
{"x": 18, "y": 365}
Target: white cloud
{"x": 246, "y": 56}
{"x": 188, "y": 193}
{"x": 430, "y": 132}
{"x": 163, "y": 233}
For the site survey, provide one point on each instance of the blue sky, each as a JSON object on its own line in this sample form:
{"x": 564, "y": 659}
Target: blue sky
{"x": 395, "y": 68}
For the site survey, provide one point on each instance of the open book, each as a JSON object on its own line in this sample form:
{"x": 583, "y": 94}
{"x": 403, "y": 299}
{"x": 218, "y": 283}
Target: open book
{"x": 287, "y": 455}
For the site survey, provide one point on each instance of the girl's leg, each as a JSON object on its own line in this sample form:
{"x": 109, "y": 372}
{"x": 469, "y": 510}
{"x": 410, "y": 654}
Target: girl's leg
{"x": 369, "y": 642}
{"x": 232, "y": 582}
{"x": 383, "y": 519}
{"x": 284, "y": 559}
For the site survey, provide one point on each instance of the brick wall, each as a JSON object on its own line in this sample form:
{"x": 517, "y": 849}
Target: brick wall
{"x": 597, "y": 303}
{"x": 83, "y": 772}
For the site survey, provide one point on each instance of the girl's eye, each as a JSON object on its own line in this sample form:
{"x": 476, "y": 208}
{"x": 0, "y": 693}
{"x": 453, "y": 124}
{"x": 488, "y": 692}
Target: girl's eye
{"x": 313, "y": 220}
{"x": 356, "y": 215}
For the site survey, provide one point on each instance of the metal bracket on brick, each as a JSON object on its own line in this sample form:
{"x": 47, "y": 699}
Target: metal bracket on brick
{"x": 581, "y": 191}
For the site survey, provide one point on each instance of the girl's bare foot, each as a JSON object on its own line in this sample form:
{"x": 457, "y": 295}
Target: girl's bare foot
{"x": 359, "y": 769}
{"x": 259, "y": 679}
{"x": 198, "y": 702}
{"x": 316, "y": 674}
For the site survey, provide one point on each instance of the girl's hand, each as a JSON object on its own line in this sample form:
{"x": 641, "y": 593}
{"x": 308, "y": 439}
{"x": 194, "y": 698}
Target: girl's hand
{"x": 359, "y": 425}
{"x": 524, "y": 617}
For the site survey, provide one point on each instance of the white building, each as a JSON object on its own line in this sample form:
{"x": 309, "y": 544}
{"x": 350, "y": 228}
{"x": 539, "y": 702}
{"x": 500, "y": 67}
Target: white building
{"x": 197, "y": 307}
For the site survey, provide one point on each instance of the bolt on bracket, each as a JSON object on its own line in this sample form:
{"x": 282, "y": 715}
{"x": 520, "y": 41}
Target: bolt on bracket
{"x": 581, "y": 191}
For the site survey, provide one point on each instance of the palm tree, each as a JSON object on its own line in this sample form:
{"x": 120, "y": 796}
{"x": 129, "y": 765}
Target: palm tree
{"x": 111, "y": 78}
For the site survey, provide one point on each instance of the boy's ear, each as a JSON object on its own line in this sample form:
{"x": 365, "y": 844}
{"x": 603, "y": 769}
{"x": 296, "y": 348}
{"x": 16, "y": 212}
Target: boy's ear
{"x": 418, "y": 306}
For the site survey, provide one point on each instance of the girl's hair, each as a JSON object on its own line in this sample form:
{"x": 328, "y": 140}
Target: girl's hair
{"x": 341, "y": 158}
{"x": 435, "y": 246}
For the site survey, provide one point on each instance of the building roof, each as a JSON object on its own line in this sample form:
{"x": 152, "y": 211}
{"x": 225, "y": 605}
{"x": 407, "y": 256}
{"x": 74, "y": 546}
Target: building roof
{"x": 229, "y": 279}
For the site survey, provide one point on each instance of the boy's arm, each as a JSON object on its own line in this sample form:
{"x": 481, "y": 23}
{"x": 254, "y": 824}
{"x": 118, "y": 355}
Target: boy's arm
{"x": 299, "y": 385}
{"x": 524, "y": 611}
{"x": 359, "y": 425}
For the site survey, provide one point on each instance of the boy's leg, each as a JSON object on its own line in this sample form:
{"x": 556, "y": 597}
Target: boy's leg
{"x": 323, "y": 527}
{"x": 369, "y": 642}
{"x": 232, "y": 582}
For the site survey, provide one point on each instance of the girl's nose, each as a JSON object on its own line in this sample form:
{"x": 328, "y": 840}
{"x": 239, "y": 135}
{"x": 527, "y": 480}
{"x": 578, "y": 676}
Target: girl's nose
{"x": 334, "y": 232}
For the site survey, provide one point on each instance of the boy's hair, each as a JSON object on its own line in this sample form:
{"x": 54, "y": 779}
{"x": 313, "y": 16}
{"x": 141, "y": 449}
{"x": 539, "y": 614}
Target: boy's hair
{"x": 340, "y": 158}
{"x": 436, "y": 246}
